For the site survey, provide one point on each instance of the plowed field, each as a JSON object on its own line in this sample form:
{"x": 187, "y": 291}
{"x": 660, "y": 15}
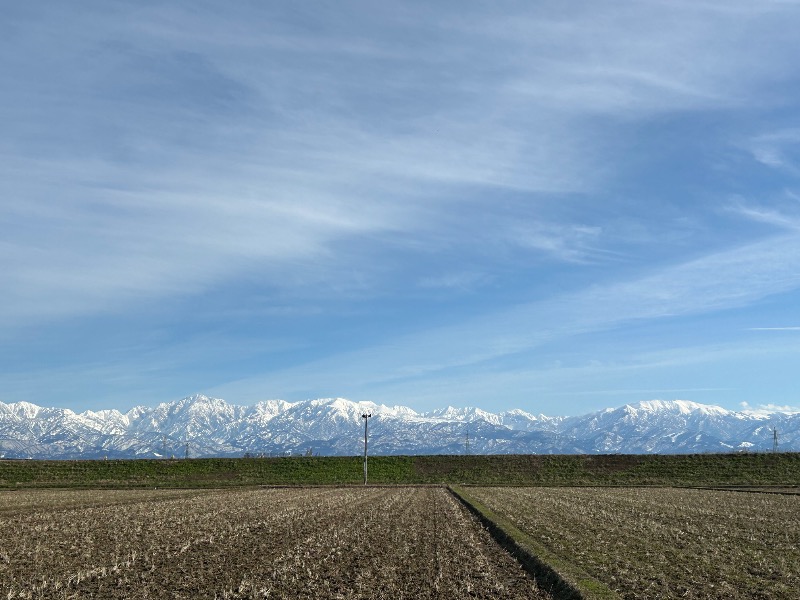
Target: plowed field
{"x": 263, "y": 543}
{"x": 664, "y": 543}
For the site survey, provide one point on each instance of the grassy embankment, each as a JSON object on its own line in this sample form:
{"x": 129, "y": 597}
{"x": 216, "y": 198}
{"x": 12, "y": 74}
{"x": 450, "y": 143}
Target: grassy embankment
{"x": 782, "y": 469}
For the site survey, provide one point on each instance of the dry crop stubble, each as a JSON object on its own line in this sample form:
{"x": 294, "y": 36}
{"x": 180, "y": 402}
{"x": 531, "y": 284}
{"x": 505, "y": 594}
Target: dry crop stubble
{"x": 665, "y": 543}
{"x": 410, "y": 543}
{"x": 265, "y": 543}
{"x": 22, "y": 501}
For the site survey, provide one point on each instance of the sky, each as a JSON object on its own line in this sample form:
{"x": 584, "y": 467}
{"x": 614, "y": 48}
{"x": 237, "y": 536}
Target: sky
{"x": 557, "y": 207}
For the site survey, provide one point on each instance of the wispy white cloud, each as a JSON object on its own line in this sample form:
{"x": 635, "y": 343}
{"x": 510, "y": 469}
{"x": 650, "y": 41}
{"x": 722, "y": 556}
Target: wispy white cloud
{"x": 778, "y": 149}
{"x": 638, "y": 58}
{"x": 461, "y": 280}
{"x": 721, "y": 281}
{"x": 170, "y": 151}
{"x": 564, "y": 242}
{"x": 769, "y": 216}
{"x": 295, "y": 160}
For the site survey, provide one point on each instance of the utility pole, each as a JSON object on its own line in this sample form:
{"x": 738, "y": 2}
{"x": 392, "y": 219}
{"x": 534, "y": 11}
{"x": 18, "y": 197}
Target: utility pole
{"x": 164, "y": 446}
{"x": 466, "y": 443}
{"x": 774, "y": 439}
{"x": 365, "y": 416}
{"x": 186, "y": 453}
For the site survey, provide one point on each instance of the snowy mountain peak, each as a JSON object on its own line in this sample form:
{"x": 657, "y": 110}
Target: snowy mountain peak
{"x": 213, "y": 427}
{"x": 350, "y": 409}
{"x": 768, "y": 411}
{"x": 22, "y": 409}
{"x": 343, "y": 408}
{"x": 520, "y": 420}
{"x": 684, "y": 407}
{"x": 200, "y": 403}
{"x": 466, "y": 414}
{"x": 517, "y": 413}
{"x": 271, "y": 408}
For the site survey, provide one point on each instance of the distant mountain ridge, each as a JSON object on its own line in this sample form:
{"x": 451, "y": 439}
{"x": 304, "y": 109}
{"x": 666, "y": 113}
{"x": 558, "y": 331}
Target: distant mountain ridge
{"x": 203, "y": 426}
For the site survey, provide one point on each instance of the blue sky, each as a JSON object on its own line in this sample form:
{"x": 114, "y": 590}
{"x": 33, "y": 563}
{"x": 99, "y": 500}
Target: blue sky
{"x": 541, "y": 205}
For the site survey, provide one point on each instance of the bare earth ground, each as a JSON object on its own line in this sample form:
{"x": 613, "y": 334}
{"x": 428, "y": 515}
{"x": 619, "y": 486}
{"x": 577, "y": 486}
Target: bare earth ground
{"x": 663, "y": 542}
{"x": 266, "y": 543}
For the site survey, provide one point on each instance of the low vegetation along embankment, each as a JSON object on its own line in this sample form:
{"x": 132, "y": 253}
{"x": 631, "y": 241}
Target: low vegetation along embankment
{"x": 700, "y": 470}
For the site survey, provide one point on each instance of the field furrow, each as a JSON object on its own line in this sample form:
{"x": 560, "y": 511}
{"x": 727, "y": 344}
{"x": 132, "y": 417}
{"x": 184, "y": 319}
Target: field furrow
{"x": 263, "y": 543}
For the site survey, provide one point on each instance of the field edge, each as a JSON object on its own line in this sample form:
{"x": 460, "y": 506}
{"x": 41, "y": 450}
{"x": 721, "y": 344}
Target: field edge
{"x": 563, "y": 579}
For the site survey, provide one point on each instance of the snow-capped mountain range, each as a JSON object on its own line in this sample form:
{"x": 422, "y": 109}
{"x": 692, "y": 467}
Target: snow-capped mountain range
{"x": 203, "y": 426}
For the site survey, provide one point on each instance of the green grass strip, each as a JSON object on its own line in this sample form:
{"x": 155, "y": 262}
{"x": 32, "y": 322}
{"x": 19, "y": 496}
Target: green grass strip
{"x": 695, "y": 470}
{"x": 565, "y": 580}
